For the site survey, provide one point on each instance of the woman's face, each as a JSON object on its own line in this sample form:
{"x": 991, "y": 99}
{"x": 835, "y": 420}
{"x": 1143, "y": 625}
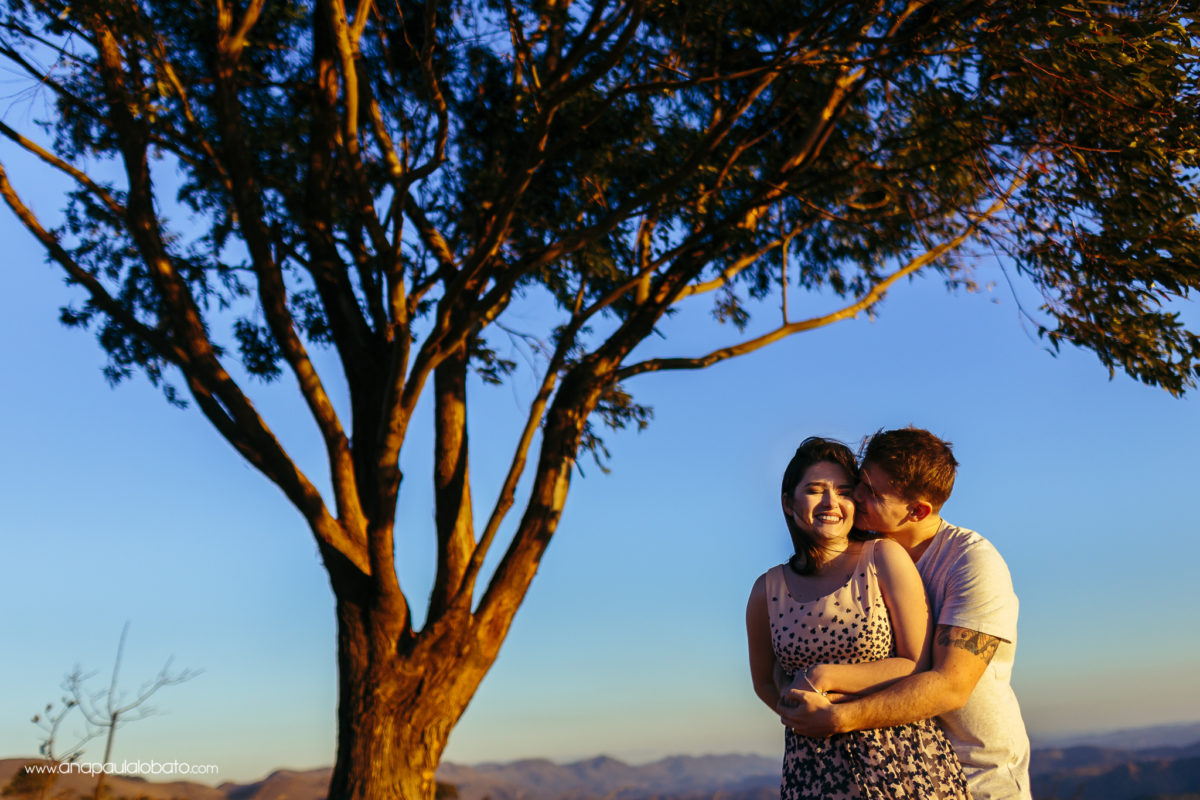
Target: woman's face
{"x": 823, "y": 502}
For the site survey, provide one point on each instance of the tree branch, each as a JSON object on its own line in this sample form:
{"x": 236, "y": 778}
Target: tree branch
{"x": 741, "y": 264}
{"x": 516, "y": 468}
{"x": 281, "y": 471}
{"x": 452, "y": 481}
{"x": 574, "y": 402}
{"x": 578, "y": 238}
{"x": 163, "y": 64}
{"x": 346, "y": 45}
{"x": 437, "y": 98}
{"x": 99, "y": 296}
{"x": 206, "y": 376}
{"x": 272, "y": 291}
{"x": 872, "y": 297}
{"x": 361, "y": 15}
{"x": 518, "y": 179}
{"x": 230, "y": 44}
{"x": 351, "y": 334}
{"x": 82, "y": 178}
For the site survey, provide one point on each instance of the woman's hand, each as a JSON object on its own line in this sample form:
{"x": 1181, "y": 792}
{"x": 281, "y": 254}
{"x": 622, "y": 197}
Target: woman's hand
{"x": 783, "y": 680}
{"x": 807, "y": 713}
{"x": 823, "y": 681}
{"x": 819, "y": 678}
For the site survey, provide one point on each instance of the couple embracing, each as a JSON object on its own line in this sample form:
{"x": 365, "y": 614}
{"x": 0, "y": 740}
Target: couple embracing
{"x": 886, "y": 642}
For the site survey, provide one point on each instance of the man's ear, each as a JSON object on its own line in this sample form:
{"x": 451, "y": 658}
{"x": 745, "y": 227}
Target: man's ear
{"x": 919, "y": 509}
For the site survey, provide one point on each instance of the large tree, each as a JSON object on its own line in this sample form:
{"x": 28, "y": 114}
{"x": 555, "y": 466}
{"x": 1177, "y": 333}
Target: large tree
{"x": 386, "y": 179}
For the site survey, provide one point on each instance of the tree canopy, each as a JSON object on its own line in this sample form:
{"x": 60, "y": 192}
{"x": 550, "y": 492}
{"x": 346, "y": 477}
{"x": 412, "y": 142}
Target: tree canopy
{"x": 256, "y": 180}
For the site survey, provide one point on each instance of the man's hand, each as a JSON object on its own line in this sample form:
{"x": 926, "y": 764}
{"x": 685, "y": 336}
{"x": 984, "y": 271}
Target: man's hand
{"x": 808, "y": 713}
{"x": 783, "y": 680}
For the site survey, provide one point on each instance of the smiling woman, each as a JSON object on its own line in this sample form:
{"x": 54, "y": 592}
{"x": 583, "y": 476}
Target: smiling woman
{"x": 818, "y": 483}
{"x": 823, "y": 503}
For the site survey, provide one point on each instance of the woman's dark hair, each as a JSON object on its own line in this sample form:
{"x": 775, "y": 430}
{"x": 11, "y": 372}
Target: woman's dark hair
{"x": 814, "y": 450}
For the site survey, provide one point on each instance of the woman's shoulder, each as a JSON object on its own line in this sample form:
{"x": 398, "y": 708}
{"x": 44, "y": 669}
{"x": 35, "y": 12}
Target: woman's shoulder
{"x": 768, "y": 579}
{"x": 887, "y": 548}
{"x": 891, "y": 558}
{"x": 760, "y": 583}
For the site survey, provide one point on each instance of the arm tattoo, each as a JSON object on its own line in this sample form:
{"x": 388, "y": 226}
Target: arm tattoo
{"x": 981, "y": 644}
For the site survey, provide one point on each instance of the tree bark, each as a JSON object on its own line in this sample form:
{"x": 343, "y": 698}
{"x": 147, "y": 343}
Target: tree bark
{"x": 399, "y": 696}
{"x": 451, "y": 478}
{"x": 382, "y": 750}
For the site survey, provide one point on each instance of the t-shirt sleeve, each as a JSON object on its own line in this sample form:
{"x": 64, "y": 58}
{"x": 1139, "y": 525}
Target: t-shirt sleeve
{"x": 979, "y": 594}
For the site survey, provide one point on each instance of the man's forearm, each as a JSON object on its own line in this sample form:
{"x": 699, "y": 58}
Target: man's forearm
{"x": 960, "y": 658}
{"x": 917, "y": 697}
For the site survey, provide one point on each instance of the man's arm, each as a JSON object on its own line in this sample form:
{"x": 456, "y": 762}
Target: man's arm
{"x": 960, "y": 657}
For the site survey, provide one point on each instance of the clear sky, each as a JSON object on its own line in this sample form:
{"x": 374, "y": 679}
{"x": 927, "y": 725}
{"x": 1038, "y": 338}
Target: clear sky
{"x": 119, "y": 507}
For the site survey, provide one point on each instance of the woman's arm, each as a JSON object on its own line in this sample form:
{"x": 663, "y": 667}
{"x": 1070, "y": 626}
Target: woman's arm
{"x": 908, "y": 611}
{"x": 762, "y": 654}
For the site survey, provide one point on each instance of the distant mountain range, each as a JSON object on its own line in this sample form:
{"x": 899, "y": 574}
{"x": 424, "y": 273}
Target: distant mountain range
{"x": 1127, "y": 738}
{"x": 1099, "y": 773}
{"x": 733, "y": 777}
{"x": 1164, "y": 769}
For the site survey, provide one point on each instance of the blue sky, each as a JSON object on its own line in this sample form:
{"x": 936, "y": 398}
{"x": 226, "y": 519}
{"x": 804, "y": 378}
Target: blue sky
{"x": 631, "y": 641}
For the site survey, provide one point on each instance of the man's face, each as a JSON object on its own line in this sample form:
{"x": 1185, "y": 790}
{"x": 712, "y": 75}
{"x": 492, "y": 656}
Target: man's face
{"x": 878, "y": 507}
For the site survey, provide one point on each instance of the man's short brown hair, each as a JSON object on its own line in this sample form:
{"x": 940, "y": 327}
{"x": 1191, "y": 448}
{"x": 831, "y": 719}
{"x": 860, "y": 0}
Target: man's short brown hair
{"x": 921, "y": 465}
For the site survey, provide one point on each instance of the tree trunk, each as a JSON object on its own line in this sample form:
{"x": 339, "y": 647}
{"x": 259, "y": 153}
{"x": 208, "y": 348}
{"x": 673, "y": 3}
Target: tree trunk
{"x": 400, "y": 692}
{"x": 396, "y": 708}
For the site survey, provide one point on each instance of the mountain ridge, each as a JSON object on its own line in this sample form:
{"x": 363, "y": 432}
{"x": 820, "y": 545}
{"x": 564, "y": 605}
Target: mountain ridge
{"x": 1079, "y": 771}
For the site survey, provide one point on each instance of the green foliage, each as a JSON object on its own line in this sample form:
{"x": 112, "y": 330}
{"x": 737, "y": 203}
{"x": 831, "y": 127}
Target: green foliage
{"x": 617, "y": 410}
{"x": 662, "y": 124}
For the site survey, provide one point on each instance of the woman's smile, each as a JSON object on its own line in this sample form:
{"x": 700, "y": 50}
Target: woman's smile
{"x": 822, "y": 502}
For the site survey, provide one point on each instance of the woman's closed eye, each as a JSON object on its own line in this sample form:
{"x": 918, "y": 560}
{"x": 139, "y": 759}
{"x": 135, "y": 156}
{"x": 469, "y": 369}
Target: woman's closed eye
{"x": 840, "y": 491}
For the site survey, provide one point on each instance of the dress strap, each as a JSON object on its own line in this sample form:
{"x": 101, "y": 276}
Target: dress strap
{"x": 775, "y": 579}
{"x": 869, "y": 553}
{"x": 867, "y": 576}
{"x": 776, "y": 586}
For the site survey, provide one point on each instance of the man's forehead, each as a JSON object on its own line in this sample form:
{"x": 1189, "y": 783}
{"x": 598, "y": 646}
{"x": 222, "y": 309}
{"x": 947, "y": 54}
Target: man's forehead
{"x": 877, "y": 476}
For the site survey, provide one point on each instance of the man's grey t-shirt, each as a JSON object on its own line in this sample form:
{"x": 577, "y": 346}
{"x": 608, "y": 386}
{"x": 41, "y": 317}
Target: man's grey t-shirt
{"x": 970, "y": 587}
